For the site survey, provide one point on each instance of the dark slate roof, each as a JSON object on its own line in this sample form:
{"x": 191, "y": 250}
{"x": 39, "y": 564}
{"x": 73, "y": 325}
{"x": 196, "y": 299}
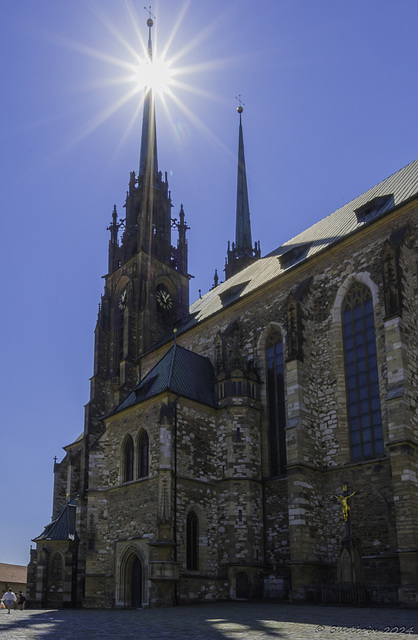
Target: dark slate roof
{"x": 63, "y": 526}
{"x": 363, "y": 210}
{"x": 180, "y": 371}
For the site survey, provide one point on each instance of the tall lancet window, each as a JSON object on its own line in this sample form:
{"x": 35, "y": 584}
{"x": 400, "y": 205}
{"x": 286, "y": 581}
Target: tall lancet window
{"x": 128, "y": 460}
{"x": 362, "y": 378}
{"x": 192, "y": 542}
{"x": 143, "y": 454}
{"x": 276, "y": 404}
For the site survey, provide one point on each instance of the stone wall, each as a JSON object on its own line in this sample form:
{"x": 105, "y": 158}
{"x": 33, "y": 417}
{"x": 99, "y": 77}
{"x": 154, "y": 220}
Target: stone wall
{"x": 288, "y": 527}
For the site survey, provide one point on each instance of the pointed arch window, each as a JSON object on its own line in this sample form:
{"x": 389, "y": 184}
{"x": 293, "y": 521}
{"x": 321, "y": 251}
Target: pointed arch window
{"x": 192, "y": 542}
{"x": 143, "y": 455}
{"x": 276, "y": 404}
{"x": 128, "y": 460}
{"x": 361, "y": 373}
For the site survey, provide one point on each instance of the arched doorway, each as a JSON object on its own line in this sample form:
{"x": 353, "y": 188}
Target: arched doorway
{"x": 131, "y": 582}
{"x": 136, "y": 583}
{"x": 242, "y": 585}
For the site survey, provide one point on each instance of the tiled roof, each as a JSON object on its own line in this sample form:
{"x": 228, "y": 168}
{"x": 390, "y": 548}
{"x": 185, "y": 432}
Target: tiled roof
{"x": 363, "y": 210}
{"x": 63, "y": 526}
{"x": 180, "y": 371}
{"x": 13, "y": 573}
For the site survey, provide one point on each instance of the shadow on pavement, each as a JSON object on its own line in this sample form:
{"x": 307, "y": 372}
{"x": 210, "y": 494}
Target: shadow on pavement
{"x": 208, "y": 621}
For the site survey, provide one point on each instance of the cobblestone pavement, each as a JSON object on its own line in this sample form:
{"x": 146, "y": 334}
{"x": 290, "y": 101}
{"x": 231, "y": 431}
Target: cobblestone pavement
{"x": 223, "y": 621}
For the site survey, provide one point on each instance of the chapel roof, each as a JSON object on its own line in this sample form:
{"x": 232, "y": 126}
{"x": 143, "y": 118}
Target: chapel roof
{"x": 62, "y": 526}
{"x": 15, "y": 573}
{"x": 180, "y": 371}
{"x": 392, "y": 192}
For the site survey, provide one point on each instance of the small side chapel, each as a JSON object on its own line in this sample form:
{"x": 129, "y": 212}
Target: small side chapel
{"x": 221, "y": 439}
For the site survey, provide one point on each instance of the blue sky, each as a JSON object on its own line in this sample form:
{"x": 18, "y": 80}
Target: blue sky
{"x": 330, "y": 93}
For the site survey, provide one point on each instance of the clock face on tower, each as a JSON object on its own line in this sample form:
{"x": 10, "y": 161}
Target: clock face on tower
{"x": 164, "y": 299}
{"x": 123, "y": 299}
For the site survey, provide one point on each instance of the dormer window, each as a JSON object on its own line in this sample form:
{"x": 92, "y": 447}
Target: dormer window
{"x": 374, "y": 206}
{"x": 232, "y": 294}
{"x": 294, "y": 253}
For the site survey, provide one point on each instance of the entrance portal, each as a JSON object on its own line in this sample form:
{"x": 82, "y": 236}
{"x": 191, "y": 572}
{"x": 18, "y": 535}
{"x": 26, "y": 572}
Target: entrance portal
{"x": 242, "y": 585}
{"x": 136, "y": 583}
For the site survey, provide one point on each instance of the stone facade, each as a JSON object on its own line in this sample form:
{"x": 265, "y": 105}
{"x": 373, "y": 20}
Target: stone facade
{"x": 213, "y": 458}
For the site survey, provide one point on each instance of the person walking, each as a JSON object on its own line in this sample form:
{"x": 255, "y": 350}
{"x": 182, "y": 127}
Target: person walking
{"x": 9, "y": 598}
{"x": 21, "y": 601}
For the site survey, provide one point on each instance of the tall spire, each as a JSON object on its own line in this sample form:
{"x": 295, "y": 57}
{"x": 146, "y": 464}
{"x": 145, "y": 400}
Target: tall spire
{"x": 242, "y": 252}
{"x": 148, "y": 152}
{"x": 243, "y": 242}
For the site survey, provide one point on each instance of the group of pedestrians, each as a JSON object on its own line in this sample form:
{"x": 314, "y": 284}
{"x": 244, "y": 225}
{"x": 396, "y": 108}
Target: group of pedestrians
{"x": 10, "y": 599}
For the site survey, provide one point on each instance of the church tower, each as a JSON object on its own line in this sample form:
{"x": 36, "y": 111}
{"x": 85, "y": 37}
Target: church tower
{"x": 242, "y": 252}
{"x": 146, "y": 293}
{"x": 147, "y": 284}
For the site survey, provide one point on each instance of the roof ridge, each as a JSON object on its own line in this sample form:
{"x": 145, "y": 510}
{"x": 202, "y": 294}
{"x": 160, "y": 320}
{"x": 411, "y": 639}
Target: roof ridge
{"x": 321, "y": 220}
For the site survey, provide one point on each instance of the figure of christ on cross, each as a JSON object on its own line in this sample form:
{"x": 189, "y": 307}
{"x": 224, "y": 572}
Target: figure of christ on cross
{"x": 344, "y": 497}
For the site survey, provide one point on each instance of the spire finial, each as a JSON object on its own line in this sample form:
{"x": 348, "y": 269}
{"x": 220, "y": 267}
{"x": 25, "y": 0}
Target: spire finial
{"x": 241, "y": 104}
{"x": 149, "y": 21}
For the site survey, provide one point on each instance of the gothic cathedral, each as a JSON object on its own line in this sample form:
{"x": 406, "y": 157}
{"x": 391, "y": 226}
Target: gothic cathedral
{"x": 260, "y": 443}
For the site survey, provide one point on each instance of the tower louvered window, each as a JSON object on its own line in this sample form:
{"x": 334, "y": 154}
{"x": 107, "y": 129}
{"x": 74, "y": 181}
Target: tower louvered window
{"x": 276, "y": 404}
{"x": 362, "y": 379}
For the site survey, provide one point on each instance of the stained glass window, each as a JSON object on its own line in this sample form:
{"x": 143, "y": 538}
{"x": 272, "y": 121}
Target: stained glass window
{"x": 361, "y": 372}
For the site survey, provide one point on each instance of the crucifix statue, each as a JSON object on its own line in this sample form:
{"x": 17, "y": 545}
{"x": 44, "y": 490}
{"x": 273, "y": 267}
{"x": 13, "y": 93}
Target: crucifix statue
{"x": 344, "y": 497}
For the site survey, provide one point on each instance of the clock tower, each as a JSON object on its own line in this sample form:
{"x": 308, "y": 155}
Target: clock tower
{"x": 147, "y": 284}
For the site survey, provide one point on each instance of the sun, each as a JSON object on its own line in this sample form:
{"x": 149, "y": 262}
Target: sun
{"x": 156, "y": 74}
{"x": 139, "y": 66}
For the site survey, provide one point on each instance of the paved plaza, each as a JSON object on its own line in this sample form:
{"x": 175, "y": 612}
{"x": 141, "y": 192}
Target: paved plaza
{"x": 223, "y": 621}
